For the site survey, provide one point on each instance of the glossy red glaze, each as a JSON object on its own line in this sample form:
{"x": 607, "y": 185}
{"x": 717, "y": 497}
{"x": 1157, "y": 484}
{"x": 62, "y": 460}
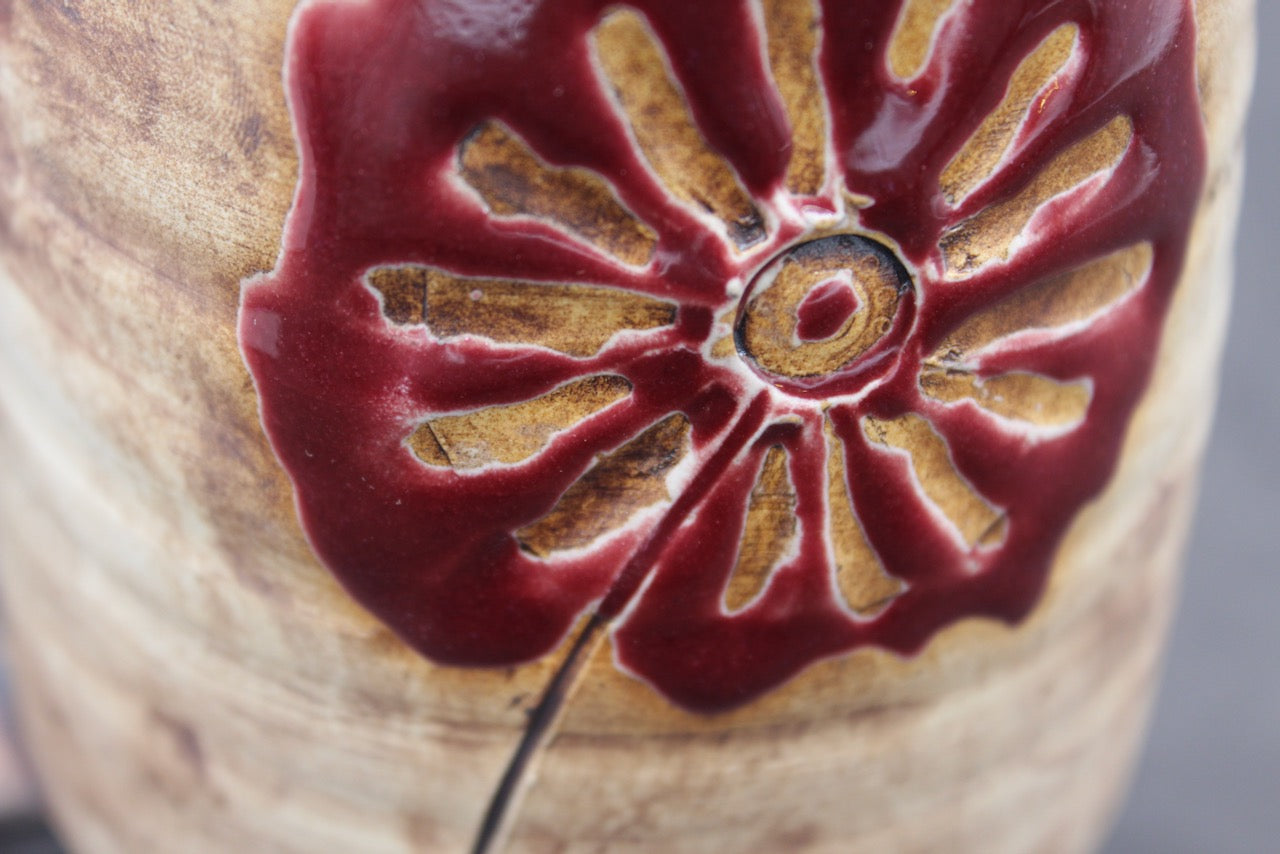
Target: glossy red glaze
{"x": 383, "y": 91}
{"x": 824, "y": 310}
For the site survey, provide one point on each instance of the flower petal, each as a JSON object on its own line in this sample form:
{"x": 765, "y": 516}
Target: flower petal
{"x": 512, "y": 433}
{"x": 1029, "y": 398}
{"x": 974, "y": 518}
{"x": 619, "y": 485}
{"x": 577, "y": 320}
{"x": 1028, "y": 91}
{"x": 634, "y": 64}
{"x": 1056, "y": 305}
{"x": 768, "y": 533}
{"x": 860, "y": 574}
{"x": 792, "y": 36}
{"x": 513, "y": 181}
{"x": 913, "y": 36}
{"x": 988, "y": 236}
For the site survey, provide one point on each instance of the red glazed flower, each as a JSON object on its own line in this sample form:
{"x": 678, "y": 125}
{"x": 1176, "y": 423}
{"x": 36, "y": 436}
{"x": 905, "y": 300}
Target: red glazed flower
{"x": 764, "y": 337}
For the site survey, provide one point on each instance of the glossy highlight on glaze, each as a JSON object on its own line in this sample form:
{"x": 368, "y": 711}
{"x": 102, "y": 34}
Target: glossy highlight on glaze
{"x": 385, "y": 95}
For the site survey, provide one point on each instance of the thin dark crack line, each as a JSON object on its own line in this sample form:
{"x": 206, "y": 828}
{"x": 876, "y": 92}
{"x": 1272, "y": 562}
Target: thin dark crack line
{"x": 540, "y": 727}
{"x": 629, "y": 580}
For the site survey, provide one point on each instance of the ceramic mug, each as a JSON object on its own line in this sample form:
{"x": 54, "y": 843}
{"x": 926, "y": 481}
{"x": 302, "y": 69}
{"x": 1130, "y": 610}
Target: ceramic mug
{"x": 570, "y": 426}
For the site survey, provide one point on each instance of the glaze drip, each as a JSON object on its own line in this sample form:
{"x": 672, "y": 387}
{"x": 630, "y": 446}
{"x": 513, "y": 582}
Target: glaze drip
{"x": 432, "y": 159}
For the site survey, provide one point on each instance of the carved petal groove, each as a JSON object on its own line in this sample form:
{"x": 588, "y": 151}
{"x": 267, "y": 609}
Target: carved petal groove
{"x": 513, "y": 433}
{"x": 1072, "y": 297}
{"x": 980, "y": 156}
{"x": 793, "y": 49}
{"x": 512, "y": 180}
{"x": 977, "y": 521}
{"x": 574, "y": 319}
{"x": 1021, "y": 396}
{"x": 665, "y": 131}
{"x": 770, "y": 529}
{"x": 860, "y": 575}
{"x": 912, "y": 38}
{"x": 619, "y": 485}
{"x": 988, "y": 235}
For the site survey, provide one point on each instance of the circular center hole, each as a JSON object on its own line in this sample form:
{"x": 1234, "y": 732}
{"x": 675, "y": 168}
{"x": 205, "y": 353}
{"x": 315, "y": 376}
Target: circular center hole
{"x": 826, "y": 309}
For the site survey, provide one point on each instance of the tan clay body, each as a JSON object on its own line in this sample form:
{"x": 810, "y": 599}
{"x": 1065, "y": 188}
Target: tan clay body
{"x": 191, "y": 678}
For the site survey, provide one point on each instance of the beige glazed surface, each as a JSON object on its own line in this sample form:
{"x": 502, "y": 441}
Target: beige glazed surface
{"x": 187, "y": 669}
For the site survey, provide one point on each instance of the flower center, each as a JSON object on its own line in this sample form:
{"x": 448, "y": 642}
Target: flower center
{"x": 824, "y": 311}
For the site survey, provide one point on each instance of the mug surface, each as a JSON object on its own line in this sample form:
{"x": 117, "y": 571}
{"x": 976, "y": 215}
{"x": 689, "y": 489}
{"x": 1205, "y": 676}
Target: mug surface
{"x": 741, "y": 426}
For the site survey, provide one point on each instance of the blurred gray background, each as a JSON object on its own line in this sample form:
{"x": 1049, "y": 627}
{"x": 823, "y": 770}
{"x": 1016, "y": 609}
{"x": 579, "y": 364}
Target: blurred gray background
{"x": 1209, "y": 780}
